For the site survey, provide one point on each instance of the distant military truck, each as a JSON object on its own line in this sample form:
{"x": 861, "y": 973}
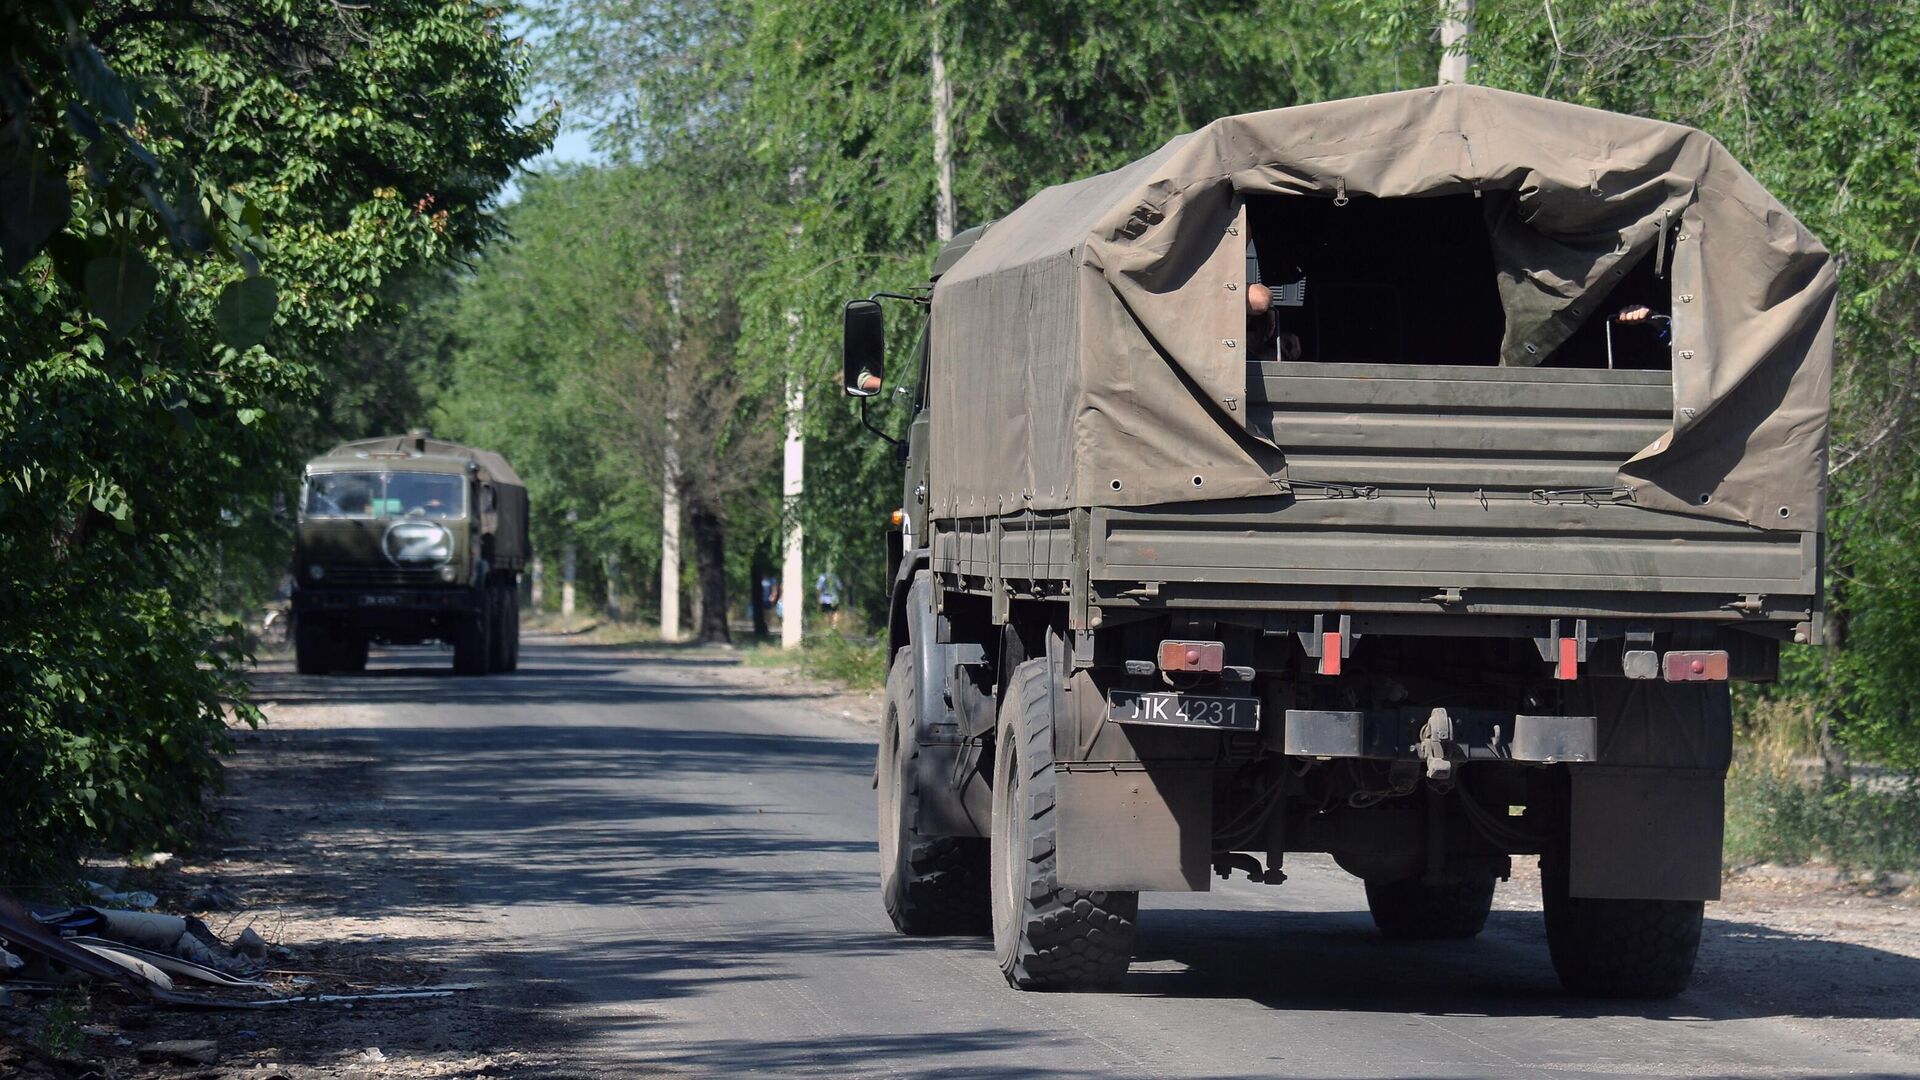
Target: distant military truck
{"x": 406, "y": 539}
{"x": 1402, "y": 479}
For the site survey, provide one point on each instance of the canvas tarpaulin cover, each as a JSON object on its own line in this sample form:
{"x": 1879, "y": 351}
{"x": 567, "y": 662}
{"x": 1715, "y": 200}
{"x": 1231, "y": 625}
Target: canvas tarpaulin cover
{"x": 1088, "y": 350}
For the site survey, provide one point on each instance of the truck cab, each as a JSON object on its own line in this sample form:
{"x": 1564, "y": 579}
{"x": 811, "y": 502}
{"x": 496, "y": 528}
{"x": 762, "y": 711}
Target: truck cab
{"x": 402, "y": 541}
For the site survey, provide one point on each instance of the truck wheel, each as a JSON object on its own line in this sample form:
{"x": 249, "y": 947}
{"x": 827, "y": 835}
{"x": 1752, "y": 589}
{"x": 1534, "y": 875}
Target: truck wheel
{"x": 352, "y": 655}
{"x": 1047, "y": 937}
{"x": 473, "y": 642}
{"x": 929, "y": 884}
{"x": 1618, "y": 948}
{"x": 513, "y": 628}
{"x": 1414, "y": 911}
{"x": 500, "y": 647}
{"x": 311, "y": 649}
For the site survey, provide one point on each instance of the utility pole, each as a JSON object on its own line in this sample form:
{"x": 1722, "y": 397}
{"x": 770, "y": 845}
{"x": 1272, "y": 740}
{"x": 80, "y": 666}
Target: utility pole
{"x": 943, "y": 212}
{"x": 1456, "y": 23}
{"x": 670, "y": 489}
{"x": 793, "y": 584}
{"x": 670, "y": 551}
{"x": 793, "y": 468}
{"x": 566, "y": 577}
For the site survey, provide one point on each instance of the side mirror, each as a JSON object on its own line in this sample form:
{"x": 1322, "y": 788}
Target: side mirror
{"x": 863, "y": 363}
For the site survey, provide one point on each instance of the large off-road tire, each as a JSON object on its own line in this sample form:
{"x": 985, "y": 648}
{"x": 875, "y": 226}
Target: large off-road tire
{"x": 1047, "y": 937}
{"x": 1618, "y": 948}
{"x": 1414, "y": 911}
{"x": 500, "y": 642}
{"x": 351, "y": 653}
{"x": 929, "y": 884}
{"x": 312, "y": 651}
{"x": 473, "y": 642}
{"x": 513, "y": 627}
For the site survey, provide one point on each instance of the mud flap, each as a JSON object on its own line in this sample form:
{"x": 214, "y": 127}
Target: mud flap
{"x": 954, "y": 799}
{"x": 1648, "y": 820}
{"x": 1133, "y": 828}
{"x": 1646, "y": 834}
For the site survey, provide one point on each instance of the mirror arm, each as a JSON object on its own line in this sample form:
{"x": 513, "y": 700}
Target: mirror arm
{"x": 868, "y": 424}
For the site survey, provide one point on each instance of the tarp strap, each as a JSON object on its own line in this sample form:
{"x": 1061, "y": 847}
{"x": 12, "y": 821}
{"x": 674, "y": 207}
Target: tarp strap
{"x": 1660, "y": 253}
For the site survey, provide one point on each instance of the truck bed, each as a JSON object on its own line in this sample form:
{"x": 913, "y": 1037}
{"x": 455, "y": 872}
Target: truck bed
{"x": 1416, "y": 490}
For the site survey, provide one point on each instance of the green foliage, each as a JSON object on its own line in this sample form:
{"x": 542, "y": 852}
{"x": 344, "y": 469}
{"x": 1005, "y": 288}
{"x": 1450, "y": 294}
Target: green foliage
{"x": 1814, "y": 97}
{"x": 856, "y": 663}
{"x": 1853, "y": 824}
{"x": 603, "y": 343}
{"x": 61, "y": 1019}
{"x": 214, "y": 195}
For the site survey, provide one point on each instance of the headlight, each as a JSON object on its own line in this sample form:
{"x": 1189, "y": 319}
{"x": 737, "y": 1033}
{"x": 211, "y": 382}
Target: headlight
{"x": 448, "y": 573}
{"x": 316, "y": 571}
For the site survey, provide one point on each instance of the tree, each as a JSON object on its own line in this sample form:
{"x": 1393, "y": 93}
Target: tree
{"x": 199, "y": 200}
{"x": 619, "y": 292}
{"x": 1813, "y": 96}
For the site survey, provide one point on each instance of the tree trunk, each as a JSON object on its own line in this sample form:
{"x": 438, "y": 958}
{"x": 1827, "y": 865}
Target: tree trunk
{"x": 943, "y": 210}
{"x": 1456, "y": 23}
{"x": 761, "y": 571}
{"x": 710, "y": 567}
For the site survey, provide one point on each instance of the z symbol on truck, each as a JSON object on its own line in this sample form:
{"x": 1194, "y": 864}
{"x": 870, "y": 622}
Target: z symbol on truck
{"x": 417, "y": 543}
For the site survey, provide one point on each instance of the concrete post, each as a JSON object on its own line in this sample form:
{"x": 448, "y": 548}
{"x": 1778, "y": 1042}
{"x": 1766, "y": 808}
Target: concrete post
{"x": 793, "y": 584}
{"x": 670, "y": 553}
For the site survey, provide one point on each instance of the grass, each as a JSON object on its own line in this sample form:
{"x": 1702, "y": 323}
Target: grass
{"x": 59, "y": 1031}
{"x": 854, "y": 662}
{"x": 1782, "y": 808}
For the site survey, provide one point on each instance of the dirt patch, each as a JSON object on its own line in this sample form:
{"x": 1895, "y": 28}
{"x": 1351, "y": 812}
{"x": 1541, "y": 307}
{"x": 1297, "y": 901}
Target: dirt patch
{"x": 309, "y": 855}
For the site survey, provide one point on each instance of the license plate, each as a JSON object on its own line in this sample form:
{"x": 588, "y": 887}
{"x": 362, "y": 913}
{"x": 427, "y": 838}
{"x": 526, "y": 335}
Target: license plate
{"x": 378, "y": 600}
{"x": 1184, "y": 710}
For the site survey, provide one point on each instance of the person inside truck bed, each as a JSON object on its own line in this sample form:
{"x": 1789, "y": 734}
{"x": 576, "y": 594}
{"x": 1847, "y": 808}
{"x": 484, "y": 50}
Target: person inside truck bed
{"x": 1641, "y": 314}
{"x": 1265, "y": 340}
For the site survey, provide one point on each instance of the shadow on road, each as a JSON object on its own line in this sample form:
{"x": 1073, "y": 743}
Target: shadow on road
{"x": 697, "y": 858}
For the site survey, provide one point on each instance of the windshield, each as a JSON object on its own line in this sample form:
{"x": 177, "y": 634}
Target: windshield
{"x": 386, "y": 494}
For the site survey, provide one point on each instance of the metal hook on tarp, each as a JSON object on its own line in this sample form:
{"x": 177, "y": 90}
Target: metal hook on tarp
{"x": 1340, "y": 191}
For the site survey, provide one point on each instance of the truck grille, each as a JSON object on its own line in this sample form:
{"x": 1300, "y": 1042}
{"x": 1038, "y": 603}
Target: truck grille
{"x": 349, "y": 577}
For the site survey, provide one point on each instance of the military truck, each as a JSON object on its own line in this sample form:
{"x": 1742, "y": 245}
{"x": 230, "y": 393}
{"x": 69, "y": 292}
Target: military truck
{"x": 1446, "y": 556}
{"x": 406, "y": 539}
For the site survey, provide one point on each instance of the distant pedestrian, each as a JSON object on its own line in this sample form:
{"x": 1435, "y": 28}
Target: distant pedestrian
{"x": 827, "y": 587}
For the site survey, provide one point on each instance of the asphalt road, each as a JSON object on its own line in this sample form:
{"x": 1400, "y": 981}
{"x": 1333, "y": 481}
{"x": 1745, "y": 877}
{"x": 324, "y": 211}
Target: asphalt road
{"x": 681, "y": 857}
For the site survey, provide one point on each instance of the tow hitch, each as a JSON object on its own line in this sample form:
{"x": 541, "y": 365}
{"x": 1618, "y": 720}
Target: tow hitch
{"x": 1441, "y": 737}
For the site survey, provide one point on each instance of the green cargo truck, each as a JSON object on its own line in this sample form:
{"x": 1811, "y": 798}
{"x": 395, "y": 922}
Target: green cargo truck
{"x": 407, "y": 539}
{"x": 1403, "y": 479}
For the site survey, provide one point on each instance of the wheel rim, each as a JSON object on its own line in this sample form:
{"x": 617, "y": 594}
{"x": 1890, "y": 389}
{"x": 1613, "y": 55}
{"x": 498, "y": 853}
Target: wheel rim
{"x": 889, "y": 823}
{"x": 1005, "y": 880}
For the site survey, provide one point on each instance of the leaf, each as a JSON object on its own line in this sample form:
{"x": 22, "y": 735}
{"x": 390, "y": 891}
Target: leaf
{"x": 248, "y": 416}
{"x": 34, "y": 204}
{"x": 97, "y": 82}
{"x": 244, "y": 315}
{"x": 120, "y": 290}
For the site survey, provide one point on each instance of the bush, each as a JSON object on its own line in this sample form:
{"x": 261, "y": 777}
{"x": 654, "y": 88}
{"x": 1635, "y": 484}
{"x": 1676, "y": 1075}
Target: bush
{"x": 1782, "y": 808}
{"x": 853, "y": 662}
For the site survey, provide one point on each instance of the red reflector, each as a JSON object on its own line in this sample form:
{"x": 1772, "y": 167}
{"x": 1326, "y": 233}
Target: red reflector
{"x": 1569, "y": 666}
{"x": 1708, "y": 665}
{"x": 1330, "y": 654}
{"x": 1192, "y": 655}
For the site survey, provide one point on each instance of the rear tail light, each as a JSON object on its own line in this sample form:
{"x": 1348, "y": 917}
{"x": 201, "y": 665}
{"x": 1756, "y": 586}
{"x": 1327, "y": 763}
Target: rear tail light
{"x": 1707, "y": 665}
{"x": 1207, "y": 656}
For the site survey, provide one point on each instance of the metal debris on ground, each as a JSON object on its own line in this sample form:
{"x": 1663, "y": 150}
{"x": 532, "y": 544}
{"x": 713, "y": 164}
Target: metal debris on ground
{"x": 139, "y": 899}
{"x": 181, "y": 1051}
{"x": 146, "y": 952}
